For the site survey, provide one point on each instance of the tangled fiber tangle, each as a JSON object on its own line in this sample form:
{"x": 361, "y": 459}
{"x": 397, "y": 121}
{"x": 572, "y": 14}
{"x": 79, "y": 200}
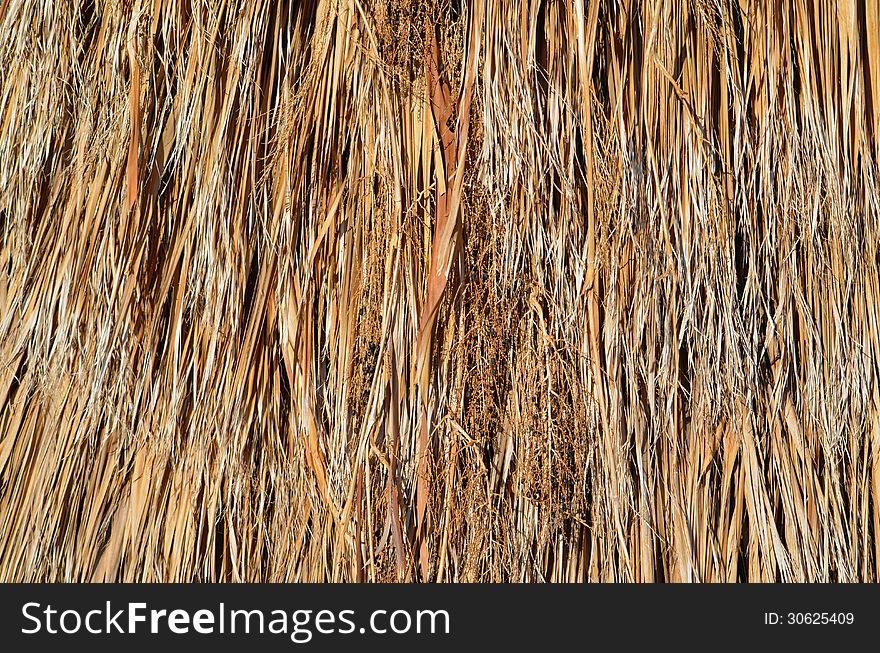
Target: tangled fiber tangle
{"x": 439, "y": 290}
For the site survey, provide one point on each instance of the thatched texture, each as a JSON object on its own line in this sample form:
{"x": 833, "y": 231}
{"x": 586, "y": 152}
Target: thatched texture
{"x": 439, "y": 290}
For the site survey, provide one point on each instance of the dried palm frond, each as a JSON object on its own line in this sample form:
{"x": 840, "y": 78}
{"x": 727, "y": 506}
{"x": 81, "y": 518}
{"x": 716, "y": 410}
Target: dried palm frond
{"x": 439, "y": 290}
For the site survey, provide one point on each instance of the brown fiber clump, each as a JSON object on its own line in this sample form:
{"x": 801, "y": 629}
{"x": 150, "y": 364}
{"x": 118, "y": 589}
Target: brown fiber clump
{"x": 439, "y": 290}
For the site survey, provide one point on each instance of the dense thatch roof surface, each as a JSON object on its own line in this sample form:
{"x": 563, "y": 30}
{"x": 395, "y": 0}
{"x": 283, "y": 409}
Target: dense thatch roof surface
{"x": 439, "y": 290}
